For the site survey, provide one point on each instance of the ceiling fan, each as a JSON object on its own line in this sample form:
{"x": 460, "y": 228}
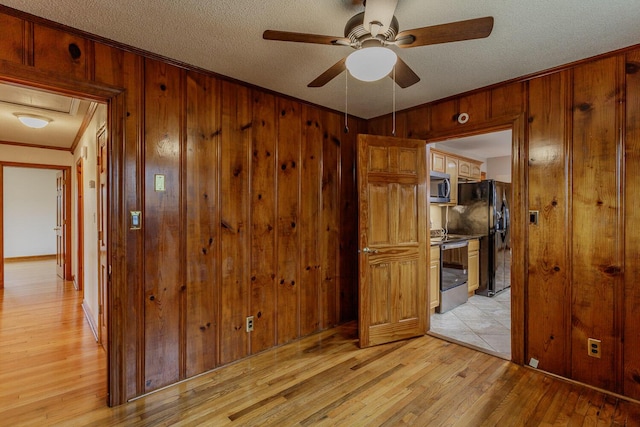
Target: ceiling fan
{"x": 371, "y": 33}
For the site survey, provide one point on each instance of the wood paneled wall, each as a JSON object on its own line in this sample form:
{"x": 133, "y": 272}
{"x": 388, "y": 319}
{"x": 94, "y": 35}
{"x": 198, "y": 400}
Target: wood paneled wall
{"x": 578, "y": 271}
{"x": 257, "y": 218}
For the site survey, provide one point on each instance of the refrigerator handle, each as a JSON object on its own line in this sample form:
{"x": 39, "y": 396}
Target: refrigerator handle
{"x": 507, "y": 216}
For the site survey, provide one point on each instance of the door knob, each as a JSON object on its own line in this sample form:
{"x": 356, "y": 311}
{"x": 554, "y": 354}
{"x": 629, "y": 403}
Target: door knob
{"x": 370, "y": 251}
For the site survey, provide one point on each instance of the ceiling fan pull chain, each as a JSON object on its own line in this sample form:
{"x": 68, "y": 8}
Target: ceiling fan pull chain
{"x": 346, "y": 101}
{"x": 393, "y": 131}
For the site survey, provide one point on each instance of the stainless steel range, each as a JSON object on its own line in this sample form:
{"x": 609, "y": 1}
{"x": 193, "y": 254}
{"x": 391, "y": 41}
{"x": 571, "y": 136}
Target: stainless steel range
{"x": 454, "y": 265}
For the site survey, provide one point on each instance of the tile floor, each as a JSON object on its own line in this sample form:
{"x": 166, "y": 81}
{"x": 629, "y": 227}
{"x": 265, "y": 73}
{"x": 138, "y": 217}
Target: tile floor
{"x": 482, "y": 322}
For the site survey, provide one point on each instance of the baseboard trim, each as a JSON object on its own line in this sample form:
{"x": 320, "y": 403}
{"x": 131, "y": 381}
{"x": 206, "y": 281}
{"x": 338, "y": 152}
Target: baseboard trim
{"x": 30, "y": 258}
{"x": 88, "y": 314}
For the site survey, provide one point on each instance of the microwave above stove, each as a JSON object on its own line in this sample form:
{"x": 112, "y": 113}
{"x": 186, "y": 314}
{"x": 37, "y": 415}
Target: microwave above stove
{"x": 440, "y": 186}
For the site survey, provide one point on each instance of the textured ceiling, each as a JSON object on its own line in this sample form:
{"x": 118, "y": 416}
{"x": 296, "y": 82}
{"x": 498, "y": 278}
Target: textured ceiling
{"x": 225, "y": 36}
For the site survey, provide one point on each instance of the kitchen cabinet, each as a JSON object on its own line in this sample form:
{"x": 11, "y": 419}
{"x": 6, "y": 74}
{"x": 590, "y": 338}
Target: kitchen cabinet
{"x": 438, "y": 162}
{"x": 434, "y": 277}
{"x": 469, "y": 169}
{"x": 473, "y": 278}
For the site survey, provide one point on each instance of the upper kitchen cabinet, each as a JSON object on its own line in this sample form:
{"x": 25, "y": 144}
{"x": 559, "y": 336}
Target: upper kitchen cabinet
{"x": 458, "y": 168}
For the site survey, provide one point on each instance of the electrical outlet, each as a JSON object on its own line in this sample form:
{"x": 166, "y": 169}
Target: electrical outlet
{"x": 249, "y": 323}
{"x": 593, "y": 347}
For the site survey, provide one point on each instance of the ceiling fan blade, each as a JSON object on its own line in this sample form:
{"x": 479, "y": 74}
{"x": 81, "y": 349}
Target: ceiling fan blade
{"x": 286, "y": 36}
{"x": 405, "y": 76}
{"x": 452, "y": 32}
{"x": 380, "y": 11}
{"x": 328, "y": 75}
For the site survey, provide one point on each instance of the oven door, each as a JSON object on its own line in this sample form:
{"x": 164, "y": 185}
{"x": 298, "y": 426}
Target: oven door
{"x": 454, "y": 258}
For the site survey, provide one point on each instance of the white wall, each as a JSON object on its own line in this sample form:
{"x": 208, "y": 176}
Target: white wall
{"x": 29, "y": 211}
{"x": 499, "y": 168}
{"x": 89, "y": 173}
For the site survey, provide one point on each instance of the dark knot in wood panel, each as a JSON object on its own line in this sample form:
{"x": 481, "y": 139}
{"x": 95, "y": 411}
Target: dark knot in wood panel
{"x": 282, "y": 282}
{"x": 216, "y": 133}
{"x": 632, "y": 67}
{"x": 204, "y": 251}
{"x": 268, "y": 153}
{"x": 293, "y": 283}
{"x": 611, "y": 270}
{"x": 636, "y": 377}
{"x": 253, "y": 278}
{"x": 226, "y": 225}
{"x": 128, "y": 114}
{"x": 163, "y": 87}
{"x": 259, "y": 314}
{"x": 554, "y": 203}
{"x": 336, "y": 141}
{"x": 269, "y": 228}
{"x": 293, "y": 224}
{"x": 247, "y": 126}
{"x": 284, "y": 166}
{"x": 293, "y": 165}
{"x": 203, "y": 328}
{"x": 259, "y": 196}
{"x": 210, "y": 240}
{"x": 600, "y": 202}
{"x": 237, "y": 171}
{"x": 309, "y": 122}
{"x": 556, "y": 268}
{"x": 584, "y": 107}
{"x": 74, "y": 51}
{"x": 530, "y": 119}
{"x": 152, "y": 298}
{"x": 255, "y": 153}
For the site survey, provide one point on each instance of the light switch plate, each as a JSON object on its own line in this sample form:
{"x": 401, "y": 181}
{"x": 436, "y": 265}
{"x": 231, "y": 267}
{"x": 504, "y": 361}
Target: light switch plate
{"x": 136, "y": 220}
{"x": 159, "y": 182}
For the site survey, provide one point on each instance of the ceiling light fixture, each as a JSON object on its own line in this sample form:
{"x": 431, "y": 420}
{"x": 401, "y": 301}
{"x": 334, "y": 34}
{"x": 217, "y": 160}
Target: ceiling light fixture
{"x": 33, "y": 121}
{"x": 371, "y": 63}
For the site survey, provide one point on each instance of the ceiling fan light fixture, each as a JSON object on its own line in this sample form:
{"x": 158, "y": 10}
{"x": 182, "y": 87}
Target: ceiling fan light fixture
{"x": 33, "y": 121}
{"x": 371, "y": 63}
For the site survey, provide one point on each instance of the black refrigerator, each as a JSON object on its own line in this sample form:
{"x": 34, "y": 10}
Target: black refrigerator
{"x": 483, "y": 210}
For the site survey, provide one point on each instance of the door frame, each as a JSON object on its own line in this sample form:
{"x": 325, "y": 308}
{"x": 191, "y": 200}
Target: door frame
{"x": 66, "y": 171}
{"x": 114, "y": 98}
{"x": 80, "y": 224}
{"x": 519, "y": 204}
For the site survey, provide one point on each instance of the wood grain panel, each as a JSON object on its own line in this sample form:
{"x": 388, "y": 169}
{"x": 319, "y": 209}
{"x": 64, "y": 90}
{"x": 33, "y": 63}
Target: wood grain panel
{"x": 476, "y": 105}
{"x": 508, "y": 100}
{"x": 385, "y": 125}
{"x": 12, "y": 42}
{"x": 163, "y": 220}
{"x": 596, "y": 266}
{"x": 288, "y": 241}
{"x": 202, "y": 239}
{"x": 407, "y": 298}
{"x": 310, "y": 191}
{"x": 549, "y": 291}
{"x": 263, "y": 222}
{"x": 632, "y": 230}
{"x": 62, "y": 52}
{"x": 349, "y": 223}
{"x": 329, "y": 236}
{"x": 234, "y": 221}
{"x": 443, "y": 115}
{"x": 417, "y": 122}
{"x": 380, "y": 282}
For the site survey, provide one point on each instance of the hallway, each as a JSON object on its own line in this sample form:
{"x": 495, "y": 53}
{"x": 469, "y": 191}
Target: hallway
{"x": 48, "y": 355}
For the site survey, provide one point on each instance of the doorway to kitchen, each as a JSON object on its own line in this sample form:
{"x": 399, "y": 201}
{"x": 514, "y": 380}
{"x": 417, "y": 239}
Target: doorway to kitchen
{"x": 470, "y": 238}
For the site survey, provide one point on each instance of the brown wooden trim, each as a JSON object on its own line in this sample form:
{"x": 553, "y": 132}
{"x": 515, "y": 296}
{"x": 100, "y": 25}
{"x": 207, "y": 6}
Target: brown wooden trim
{"x": 27, "y": 40}
{"x": 93, "y": 38}
{"x": 80, "y": 225}
{"x": 521, "y": 79}
{"x": 27, "y": 145}
{"x": 85, "y": 124}
{"x": 518, "y": 208}
{"x": 30, "y": 258}
{"x": 32, "y": 165}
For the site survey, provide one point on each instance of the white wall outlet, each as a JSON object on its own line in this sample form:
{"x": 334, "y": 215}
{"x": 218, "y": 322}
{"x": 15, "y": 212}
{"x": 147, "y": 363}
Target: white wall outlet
{"x": 249, "y": 323}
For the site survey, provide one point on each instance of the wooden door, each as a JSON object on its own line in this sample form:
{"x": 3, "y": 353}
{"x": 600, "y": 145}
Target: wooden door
{"x": 103, "y": 267}
{"x": 80, "y": 226}
{"x": 60, "y": 226}
{"x": 392, "y": 180}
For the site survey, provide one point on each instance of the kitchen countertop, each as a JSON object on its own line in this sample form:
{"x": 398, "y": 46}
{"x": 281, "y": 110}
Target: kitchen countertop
{"x": 437, "y": 241}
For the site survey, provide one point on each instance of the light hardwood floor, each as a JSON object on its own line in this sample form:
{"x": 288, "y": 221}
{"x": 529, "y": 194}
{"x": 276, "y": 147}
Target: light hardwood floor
{"x": 53, "y": 373}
